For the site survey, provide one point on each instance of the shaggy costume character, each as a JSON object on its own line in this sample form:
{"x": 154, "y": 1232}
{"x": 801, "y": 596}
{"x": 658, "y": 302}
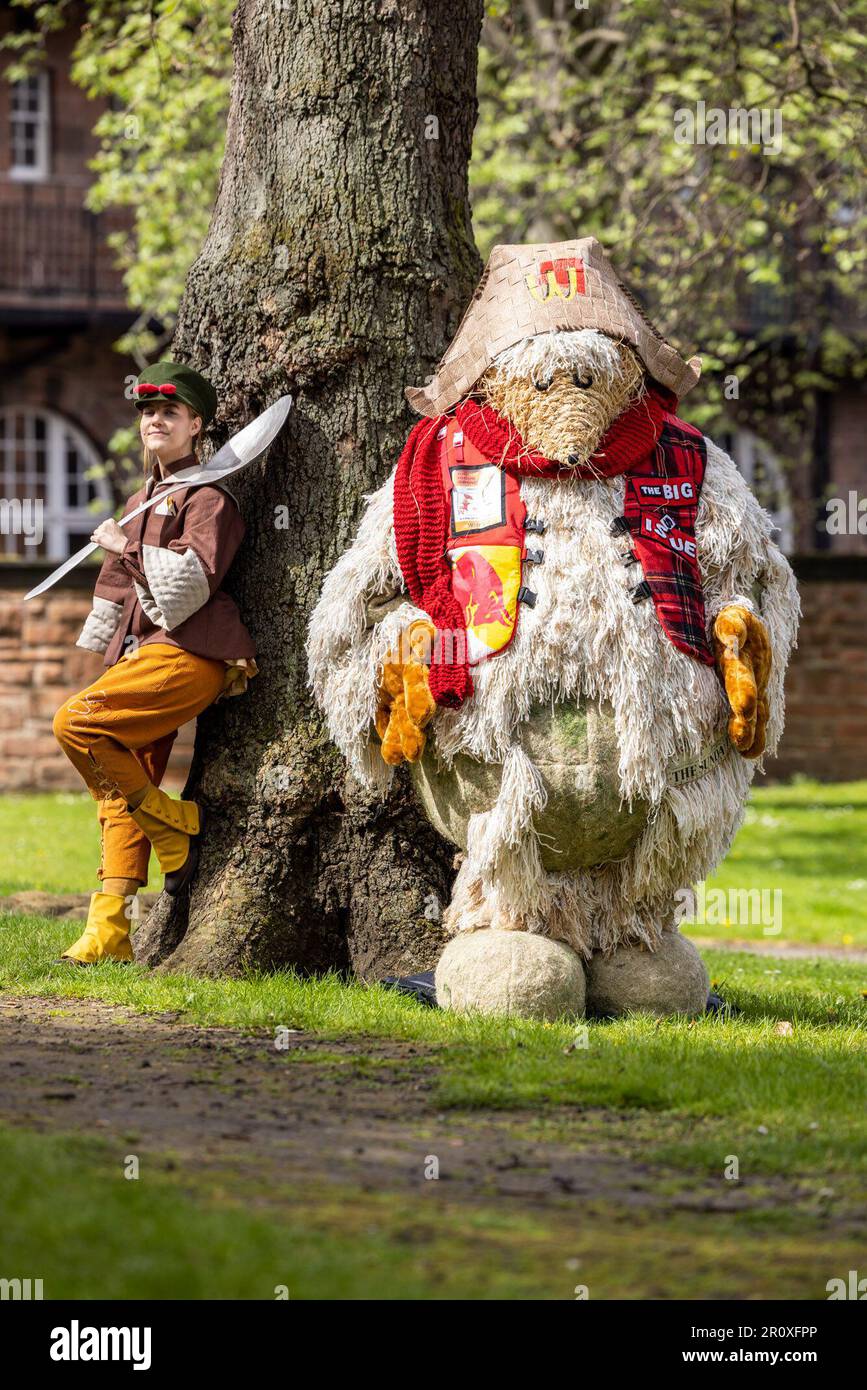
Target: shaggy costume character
{"x": 607, "y": 623}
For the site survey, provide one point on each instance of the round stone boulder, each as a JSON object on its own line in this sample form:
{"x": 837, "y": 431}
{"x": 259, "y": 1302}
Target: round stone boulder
{"x": 574, "y": 746}
{"x": 670, "y": 980}
{"x": 510, "y": 972}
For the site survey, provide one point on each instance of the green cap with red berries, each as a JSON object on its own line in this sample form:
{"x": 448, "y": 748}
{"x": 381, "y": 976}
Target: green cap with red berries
{"x": 173, "y": 381}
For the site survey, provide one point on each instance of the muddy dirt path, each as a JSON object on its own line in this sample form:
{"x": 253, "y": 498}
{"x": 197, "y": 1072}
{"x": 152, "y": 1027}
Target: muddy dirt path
{"x": 212, "y": 1098}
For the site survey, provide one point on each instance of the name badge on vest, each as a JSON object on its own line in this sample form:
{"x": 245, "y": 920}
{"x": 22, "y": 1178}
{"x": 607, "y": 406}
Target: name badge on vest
{"x": 478, "y": 498}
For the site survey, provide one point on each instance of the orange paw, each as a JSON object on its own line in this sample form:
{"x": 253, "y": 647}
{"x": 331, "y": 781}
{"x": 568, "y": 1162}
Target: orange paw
{"x": 743, "y": 653}
{"x": 405, "y": 702}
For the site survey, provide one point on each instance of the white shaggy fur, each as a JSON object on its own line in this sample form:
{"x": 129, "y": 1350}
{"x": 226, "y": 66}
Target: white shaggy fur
{"x": 345, "y": 656}
{"x": 503, "y": 847}
{"x": 584, "y": 638}
{"x": 538, "y": 357}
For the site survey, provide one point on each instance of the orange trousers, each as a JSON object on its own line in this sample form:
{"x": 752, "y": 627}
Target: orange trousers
{"x": 118, "y": 734}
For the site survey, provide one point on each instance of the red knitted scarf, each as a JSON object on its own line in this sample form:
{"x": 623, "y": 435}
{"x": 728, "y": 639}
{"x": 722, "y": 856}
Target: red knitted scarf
{"x": 421, "y": 521}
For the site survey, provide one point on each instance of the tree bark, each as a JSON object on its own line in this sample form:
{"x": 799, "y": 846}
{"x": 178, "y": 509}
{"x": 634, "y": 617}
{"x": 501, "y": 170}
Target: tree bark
{"x": 337, "y": 263}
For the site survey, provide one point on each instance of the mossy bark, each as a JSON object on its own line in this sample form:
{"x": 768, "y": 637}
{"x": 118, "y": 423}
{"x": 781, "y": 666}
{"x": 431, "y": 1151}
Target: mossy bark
{"x": 337, "y": 264}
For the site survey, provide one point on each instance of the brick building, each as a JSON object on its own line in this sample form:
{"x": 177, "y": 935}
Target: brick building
{"x": 62, "y": 307}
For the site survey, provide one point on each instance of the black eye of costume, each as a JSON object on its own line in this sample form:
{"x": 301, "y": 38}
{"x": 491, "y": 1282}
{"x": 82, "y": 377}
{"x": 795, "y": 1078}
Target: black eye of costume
{"x": 542, "y": 385}
{"x": 582, "y": 381}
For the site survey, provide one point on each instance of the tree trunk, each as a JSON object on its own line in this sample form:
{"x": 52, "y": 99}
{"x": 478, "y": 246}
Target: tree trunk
{"x": 336, "y": 266}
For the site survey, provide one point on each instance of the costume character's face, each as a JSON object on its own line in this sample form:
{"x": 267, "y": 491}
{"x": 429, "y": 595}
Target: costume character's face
{"x": 562, "y": 391}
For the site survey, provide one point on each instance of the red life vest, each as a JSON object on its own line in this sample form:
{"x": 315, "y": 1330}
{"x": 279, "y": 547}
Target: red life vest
{"x": 487, "y": 525}
{"x": 484, "y": 543}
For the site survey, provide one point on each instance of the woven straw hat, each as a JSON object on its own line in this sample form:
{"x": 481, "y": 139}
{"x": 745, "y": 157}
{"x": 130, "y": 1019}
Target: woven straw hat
{"x": 543, "y": 288}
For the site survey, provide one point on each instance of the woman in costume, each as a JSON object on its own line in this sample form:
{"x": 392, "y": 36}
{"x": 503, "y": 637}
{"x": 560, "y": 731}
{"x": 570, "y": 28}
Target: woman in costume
{"x": 173, "y": 643}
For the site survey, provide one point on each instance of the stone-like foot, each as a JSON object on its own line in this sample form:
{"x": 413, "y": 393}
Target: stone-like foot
{"x": 670, "y": 980}
{"x": 510, "y": 972}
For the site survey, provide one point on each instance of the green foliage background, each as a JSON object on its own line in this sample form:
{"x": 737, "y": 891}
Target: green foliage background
{"x": 754, "y": 258}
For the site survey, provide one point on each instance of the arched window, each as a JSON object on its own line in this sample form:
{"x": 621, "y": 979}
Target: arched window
{"x": 48, "y": 507}
{"x": 765, "y": 474}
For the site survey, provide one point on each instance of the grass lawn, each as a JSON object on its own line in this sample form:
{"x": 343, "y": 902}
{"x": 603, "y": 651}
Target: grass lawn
{"x": 91, "y": 1234}
{"x": 789, "y": 1101}
{"x": 134, "y": 1240}
{"x": 806, "y": 840}
{"x": 739, "y": 1068}
{"x": 49, "y": 842}
{"x": 790, "y": 1105}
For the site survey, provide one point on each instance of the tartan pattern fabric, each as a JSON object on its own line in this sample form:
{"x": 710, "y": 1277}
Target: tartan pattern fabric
{"x": 660, "y": 509}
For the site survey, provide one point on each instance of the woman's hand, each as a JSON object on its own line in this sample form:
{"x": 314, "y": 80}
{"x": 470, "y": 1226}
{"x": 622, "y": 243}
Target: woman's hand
{"x": 110, "y": 536}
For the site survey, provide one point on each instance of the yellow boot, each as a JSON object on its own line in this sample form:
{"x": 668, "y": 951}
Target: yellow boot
{"x": 106, "y": 935}
{"x": 173, "y": 828}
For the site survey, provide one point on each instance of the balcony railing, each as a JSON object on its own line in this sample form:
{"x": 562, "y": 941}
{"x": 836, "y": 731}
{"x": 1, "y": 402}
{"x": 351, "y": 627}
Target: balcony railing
{"x": 53, "y": 250}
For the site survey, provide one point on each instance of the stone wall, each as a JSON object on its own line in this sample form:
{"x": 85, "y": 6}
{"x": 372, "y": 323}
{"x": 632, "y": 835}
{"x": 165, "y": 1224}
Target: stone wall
{"x": 826, "y": 725}
{"x": 826, "y": 685}
{"x": 40, "y": 667}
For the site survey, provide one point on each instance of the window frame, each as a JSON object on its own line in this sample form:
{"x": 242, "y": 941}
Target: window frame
{"x": 59, "y": 518}
{"x": 41, "y": 170}
{"x": 746, "y": 449}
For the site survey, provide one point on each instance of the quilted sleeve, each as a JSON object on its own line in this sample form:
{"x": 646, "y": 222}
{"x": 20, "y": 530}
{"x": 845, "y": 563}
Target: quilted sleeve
{"x": 100, "y": 625}
{"x": 173, "y": 582}
{"x": 110, "y": 591}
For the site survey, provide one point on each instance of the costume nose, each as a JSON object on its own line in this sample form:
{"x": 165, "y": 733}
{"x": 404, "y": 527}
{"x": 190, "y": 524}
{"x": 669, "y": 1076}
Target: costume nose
{"x": 573, "y": 459}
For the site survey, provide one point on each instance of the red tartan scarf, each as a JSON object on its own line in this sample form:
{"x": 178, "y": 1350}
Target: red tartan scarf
{"x": 421, "y": 520}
